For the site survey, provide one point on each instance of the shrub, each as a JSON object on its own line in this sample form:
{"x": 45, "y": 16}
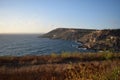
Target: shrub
{"x": 114, "y": 74}
{"x": 65, "y": 54}
{"x": 53, "y": 55}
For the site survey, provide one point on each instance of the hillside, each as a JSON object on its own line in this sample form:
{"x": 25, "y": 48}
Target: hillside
{"x": 92, "y": 39}
{"x": 102, "y": 40}
{"x": 67, "y": 33}
{"x": 66, "y": 66}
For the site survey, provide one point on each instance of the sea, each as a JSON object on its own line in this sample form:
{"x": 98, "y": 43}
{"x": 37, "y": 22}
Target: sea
{"x": 32, "y": 44}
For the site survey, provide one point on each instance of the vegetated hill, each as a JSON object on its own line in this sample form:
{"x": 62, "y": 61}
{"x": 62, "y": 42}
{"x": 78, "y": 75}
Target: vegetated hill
{"x": 108, "y": 39}
{"x": 103, "y": 40}
{"x": 67, "y": 33}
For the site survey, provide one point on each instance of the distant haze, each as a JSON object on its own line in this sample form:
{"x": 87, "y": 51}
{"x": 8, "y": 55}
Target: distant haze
{"x": 40, "y": 16}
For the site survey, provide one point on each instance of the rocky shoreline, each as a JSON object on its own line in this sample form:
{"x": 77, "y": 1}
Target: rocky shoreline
{"x": 102, "y": 40}
{"x": 99, "y": 40}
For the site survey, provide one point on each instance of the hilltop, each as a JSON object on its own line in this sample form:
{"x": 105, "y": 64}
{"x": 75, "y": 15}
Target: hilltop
{"x": 67, "y": 33}
{"x": 108, "y": 39}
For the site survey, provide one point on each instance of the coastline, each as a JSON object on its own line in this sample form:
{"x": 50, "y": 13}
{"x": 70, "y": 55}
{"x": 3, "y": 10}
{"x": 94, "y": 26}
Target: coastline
{"x": 98, "y": 40}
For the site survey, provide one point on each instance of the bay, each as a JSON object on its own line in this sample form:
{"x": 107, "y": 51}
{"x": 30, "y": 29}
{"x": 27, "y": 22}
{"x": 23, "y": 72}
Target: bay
{"x": 30, "y": 44}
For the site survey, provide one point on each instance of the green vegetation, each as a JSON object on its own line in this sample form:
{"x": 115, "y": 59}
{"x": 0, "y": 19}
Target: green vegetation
{"x": 64, "y": 66}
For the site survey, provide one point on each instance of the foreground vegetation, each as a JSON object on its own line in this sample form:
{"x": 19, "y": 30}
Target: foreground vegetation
{"x": 66, "y": 66}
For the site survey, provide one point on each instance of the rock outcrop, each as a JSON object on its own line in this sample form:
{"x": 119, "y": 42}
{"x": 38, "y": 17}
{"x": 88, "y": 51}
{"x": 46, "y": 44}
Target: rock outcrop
{"x": 102, "y": 40}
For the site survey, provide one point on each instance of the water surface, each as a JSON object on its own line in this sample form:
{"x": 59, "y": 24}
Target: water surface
{"x": 30, "y": 44}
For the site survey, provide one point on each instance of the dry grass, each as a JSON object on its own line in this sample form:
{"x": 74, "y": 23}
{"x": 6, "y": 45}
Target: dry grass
{"x": 67, "y": 66}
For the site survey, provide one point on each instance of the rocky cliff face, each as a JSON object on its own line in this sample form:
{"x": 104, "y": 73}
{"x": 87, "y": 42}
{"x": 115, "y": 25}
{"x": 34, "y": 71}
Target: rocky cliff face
{"x": 102, "y": 40}
{"x": 91, "y": 39}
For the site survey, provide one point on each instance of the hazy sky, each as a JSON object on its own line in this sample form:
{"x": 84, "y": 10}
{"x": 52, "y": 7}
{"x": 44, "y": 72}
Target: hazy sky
{"x": 37, "y": 16}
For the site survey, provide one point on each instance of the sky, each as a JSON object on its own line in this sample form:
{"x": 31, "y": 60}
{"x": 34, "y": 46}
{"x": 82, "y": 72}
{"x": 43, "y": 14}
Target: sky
{"x": 41, "y": 16}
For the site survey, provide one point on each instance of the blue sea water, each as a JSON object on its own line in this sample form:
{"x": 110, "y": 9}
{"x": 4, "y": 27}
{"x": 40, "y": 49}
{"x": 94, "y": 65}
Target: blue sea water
{"x": 30, "y": 44}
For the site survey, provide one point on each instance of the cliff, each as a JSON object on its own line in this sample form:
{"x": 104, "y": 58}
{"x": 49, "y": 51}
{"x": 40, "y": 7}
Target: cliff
{"x": 92, "y": 39}
{"x": 102, "y": 40}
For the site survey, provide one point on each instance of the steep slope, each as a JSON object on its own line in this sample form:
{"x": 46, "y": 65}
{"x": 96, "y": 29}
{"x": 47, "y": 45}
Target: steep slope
{"x": 92, "y": 39}
{"x": 102, "y": 40}
{"x": 67, "y": 33}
